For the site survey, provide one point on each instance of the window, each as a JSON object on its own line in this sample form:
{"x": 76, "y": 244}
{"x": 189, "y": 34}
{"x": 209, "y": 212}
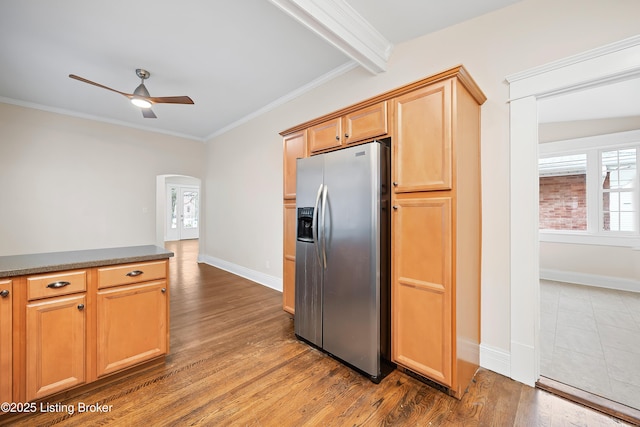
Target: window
{"x": 619, "y": 210}
{"x": 589, "y": 190}
{"x": 563, "y": 192}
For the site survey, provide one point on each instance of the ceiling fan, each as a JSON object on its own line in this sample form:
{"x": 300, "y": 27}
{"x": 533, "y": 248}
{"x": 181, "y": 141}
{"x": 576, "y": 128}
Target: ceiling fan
{"x": 140, "y": 97}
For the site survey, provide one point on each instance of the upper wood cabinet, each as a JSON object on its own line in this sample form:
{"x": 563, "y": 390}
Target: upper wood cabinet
{"x": 359, "y": 125}
{"x": 325, "y": 136}
{"x": 6, "y": 327}
{"x": 422, "y": 139}
{"x": 366, "y": 123}
{"x": 294, "y": 147}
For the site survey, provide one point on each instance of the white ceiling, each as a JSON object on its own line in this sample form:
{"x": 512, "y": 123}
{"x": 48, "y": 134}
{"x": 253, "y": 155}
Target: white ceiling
{"x": 234, "y": 58}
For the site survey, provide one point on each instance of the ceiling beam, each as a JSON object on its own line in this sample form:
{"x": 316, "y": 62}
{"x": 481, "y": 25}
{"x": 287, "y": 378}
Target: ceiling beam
{"x": 338, "y": 23}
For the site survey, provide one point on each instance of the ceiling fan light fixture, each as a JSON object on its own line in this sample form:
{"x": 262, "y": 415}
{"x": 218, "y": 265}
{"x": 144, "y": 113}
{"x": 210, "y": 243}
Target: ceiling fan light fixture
{"x": 140, "y": 97}
{"x": 139, "y": 102}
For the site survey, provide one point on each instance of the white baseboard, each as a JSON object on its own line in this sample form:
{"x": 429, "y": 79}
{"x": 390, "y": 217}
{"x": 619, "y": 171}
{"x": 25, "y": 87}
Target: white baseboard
{"x": 255, "y": 276}
{"x": 495, "y": 359}
{"x": 608, "y": 282}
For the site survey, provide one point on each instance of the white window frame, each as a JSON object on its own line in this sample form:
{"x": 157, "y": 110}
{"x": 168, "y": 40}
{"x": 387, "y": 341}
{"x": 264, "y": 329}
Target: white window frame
{"x": 593, "y": 147}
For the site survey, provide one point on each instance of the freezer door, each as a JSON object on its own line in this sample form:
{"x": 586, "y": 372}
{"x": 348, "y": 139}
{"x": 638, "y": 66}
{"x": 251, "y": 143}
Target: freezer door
{"x": 351, "y": 322}
{"x": 308, "y": 281}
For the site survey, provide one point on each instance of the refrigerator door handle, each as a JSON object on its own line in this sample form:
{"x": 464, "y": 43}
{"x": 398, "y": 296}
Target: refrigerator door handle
{"x": 324, "y": 231}
{"x": 314, "y": 225}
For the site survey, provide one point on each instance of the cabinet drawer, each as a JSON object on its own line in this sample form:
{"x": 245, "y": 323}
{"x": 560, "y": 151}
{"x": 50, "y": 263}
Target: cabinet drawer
{"x": 131, "y": 273}
{"x": 51, "y": 285}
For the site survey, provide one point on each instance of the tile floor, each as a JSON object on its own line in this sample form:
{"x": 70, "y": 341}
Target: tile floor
{"x": 590, "y": 339}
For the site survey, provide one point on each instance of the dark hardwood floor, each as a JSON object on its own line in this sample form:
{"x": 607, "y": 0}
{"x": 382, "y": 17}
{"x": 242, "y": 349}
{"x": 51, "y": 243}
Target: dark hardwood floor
{"x": 235, "y": 361}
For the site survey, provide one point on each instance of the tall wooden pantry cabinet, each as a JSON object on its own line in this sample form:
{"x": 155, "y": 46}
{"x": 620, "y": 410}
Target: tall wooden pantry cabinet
{"x": 434, "y": 125}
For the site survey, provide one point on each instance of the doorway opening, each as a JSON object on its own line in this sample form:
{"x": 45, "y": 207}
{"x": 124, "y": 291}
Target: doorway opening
{"x": 178, "y": 213}
{"x": 613, "y": 63}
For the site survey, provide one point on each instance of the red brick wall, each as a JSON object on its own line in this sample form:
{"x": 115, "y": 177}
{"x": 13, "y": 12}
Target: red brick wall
{"x": 563, "y": 202}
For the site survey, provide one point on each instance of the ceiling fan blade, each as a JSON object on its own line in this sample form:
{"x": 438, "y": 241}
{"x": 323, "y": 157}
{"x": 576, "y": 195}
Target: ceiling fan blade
{"x": 82, "y": 79}
{"x": 148, "y": 114}
{"x": 170, "y": 100}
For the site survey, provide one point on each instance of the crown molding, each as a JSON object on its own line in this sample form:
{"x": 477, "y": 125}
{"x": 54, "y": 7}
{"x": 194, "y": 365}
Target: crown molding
{"x": 339, "y": 24}
{"x": 70, "y": 113}
{"x": 607, "y": 64}
{"x": 574, "y": 59}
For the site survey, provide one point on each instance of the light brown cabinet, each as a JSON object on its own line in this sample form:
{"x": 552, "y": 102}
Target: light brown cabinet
{"x": 132, "y": 315}
{"x": 294, "y": 147}
{"x": 422, "y": 139}
{"x": 359, "y": 125}
{"x": 434, "y": 125}
{"x": 289, "y": 267}
{"x": 131, "y": 325}
{"x": 74, "y": 327}
{"x": 56, "y": 345}
{"x": 436, "y": 228}
{"x": 422, "y": 286}
{"x": 6, "y": 327}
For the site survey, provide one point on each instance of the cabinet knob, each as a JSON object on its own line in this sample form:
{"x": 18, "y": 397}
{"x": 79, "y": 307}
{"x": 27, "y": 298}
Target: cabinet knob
{"x": 346, "y": 135}
{"x": 395, "y": 207}
{"x": 337, "y": 137}
{"x": 4, "y": 293}
{"x": 395, "y": 184}
{"x": 163, "y": 290}
{"x": 80, "y": 307}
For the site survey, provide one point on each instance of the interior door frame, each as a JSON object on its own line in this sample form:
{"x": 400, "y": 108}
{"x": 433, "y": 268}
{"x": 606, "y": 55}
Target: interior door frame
{"x": 614, "y": 62}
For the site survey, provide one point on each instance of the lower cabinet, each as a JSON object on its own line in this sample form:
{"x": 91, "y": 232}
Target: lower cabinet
{"x": 56, "y": 345}
{"x": 422, "y": 287}
{"x": 6, "y": 328}
{"x": 289, "y": 263}
{"x": 131, "y": 325}
{"x": 73, "y": 327}
{"x": 436, "y": 289}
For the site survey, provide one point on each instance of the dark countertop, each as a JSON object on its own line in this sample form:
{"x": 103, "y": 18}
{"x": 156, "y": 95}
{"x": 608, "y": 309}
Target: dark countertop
{"x": 19, "y": 265}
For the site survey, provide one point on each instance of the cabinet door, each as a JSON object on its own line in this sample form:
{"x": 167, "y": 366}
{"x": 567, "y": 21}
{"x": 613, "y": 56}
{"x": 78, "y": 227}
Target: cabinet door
{"x": 131, "y": 325}
{"x": 369, "y": 122}
{"x": 422, "y": 155}
{"x": 325, "y": 135}
{"x": 6, "y": 297}
{"x": 294, "y": 147}
{"x": 421, "y": 287}
{"x": 289, "y": 267}
{"x": 55, "y": 344}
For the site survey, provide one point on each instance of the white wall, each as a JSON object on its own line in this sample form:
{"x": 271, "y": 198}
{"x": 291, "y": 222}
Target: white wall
{"x": 559, "y": 131}
{"x": 524, "y": 35}
{"x": 243, "y": 202}
{"x": 582, "y": 261}
{"x": 68, "y": 183}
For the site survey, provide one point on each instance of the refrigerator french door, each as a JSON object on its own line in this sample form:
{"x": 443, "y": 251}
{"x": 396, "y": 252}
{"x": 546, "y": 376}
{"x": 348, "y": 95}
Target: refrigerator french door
{"x": 342, "y": 255}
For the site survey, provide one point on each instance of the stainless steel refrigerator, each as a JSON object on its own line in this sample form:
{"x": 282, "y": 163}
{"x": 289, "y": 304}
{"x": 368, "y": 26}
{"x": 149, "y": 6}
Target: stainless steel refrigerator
{"x": 342, "y": 255}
